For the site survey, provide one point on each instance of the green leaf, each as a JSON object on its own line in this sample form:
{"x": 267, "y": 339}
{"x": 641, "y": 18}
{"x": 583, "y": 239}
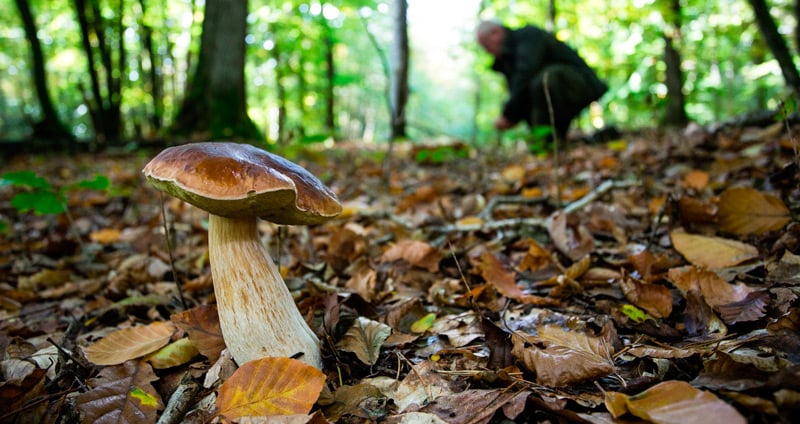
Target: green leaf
{"x": 423, "y": 324}
{"x": 635, "y": 314}
{"x": 41, "y": 202}
{"x": 26, "y": 178}
{"x": 100, "y": 182}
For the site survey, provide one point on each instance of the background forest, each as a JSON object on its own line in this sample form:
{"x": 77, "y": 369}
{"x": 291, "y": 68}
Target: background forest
{"x": 114, "y": 71}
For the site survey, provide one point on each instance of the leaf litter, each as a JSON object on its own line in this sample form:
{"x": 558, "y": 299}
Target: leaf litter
{"x": 653, "y": 278}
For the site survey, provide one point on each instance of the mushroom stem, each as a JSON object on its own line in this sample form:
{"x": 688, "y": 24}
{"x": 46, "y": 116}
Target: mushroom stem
{"x": 257, "y": 314}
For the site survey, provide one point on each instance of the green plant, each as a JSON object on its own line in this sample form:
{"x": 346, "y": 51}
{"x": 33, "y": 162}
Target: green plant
{"x": 40, "y": 196}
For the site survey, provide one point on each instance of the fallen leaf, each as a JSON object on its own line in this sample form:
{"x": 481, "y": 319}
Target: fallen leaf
{"x": 269, "y": 387}
{"x": 176, "y": 353}
{"x": 202, "y": 325}
{"x": 673, "y": 402}
{"x": 575, "y": 241}
{"x": 121, "y": 394}
{"x": 365, "y": 338}
{"x": 105, "y": 236}
{"x": 712, "y": 287}
{"x": 653, "y": 298}
{"x": 567, "y": 356}
{"x": 129, "y": 343}
{"x": 696, "y": 179}
{"x": 746, "y": 211}
{"x": 415, "y": 252}
{"x": 712, "y": 252}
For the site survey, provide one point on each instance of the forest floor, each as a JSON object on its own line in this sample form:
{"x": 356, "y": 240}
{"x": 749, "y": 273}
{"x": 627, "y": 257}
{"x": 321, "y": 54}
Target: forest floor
{"x": 653, "y": 278}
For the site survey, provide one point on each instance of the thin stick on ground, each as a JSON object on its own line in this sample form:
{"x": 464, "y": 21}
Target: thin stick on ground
{"x": 556, "y": 141}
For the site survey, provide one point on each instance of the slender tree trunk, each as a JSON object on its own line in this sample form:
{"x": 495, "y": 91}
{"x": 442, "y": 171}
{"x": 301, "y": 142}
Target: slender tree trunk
{"x": 215, "y": 105}
{"x": 551, "y": 16}
{"x": 105, "y": 97}
{"x": 776, "y": 43}
{"x": 399, "y": 81}
{"x": 330, "y": 75}
{"x": 156, "y": 84}
{"x": 48, "y": 126}
{"x": 676, "y": 101}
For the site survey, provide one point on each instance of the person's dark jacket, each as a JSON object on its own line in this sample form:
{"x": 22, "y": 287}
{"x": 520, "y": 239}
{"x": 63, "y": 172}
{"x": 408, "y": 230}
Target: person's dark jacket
{"x": 526, "y": 52}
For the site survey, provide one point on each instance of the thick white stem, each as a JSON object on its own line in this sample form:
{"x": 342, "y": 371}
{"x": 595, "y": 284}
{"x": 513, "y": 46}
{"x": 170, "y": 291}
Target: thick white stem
{"x": 257, "y": 314}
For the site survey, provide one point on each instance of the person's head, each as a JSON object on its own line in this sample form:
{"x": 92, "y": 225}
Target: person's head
{"x": 491, "y": 35}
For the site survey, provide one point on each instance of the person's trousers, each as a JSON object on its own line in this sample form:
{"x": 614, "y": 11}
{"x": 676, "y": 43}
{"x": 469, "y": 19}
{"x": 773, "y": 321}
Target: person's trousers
{"x": 569, "y": 91}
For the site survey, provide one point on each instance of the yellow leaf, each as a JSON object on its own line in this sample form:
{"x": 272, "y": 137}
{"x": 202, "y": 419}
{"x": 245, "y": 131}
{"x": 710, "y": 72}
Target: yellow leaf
{"x": 696, "y": 179}
{"x": 745, "y": 211}
{"x": 712, "y": 252}
{"x": 423, "y": 324}
{"x": 129, "y": 343}
{"x": 469, "y": 220}
{"x": 269, "y": 387}
{"x": 673, "y": 402}
{"x": 105, "y": 236}
{"x": 176, "y": 353}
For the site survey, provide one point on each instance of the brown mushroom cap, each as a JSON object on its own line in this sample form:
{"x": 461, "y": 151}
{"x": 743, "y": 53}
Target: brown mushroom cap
{"x": 239, "y": 180}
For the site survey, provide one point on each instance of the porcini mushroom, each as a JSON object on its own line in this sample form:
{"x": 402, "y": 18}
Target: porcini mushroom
{"x": 237, "y": 184}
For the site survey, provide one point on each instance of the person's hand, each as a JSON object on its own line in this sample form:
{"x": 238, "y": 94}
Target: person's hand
{"x": 502, "y": 123}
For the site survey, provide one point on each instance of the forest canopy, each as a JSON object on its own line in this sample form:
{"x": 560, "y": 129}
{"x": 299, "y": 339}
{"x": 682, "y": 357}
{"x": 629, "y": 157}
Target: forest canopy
{"x": 316, "y": 70}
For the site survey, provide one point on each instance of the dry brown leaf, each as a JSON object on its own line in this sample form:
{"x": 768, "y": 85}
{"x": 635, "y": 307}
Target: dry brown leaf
{"x": 202, "y": 325}
{"x": 714, "y": 289}
{"x": 365, "y": 338}
{"x": 130, "y": 343}
{"x": 269, "y": 387}
{"x": 415, "y": 252}
{"x": 121, "y": 394}
{"x": 712, "y": 252}
{"x": 673, "y": 402}
{"x": 746, "y": 211}
{"x": 568, "y": 356}
{"x": 653, "y": 298}
{"x": 574, "y": 241}
{"x": 696, "y": 179}
{"x": 536, "y": 257}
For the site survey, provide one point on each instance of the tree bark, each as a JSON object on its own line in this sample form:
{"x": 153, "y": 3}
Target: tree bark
{"x": 777, "y": 45}
{"x": 676, "y": 100}
{"x": 48, "y": 126}
{"x": 330, "y": 75}
{"x": 215, "y": 105}
{"x": 105, "y": 97}
{"x": 398, "y": 95}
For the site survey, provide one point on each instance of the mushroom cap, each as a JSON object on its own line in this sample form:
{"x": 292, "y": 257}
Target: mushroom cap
{"x": 240, "y": 180}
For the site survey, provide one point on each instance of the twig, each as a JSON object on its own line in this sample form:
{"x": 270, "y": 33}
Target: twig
{"x": 556, "y": 153}
{"x": 600, "y": 190}
{"x": 522, "y": 200}
{"x": 169, "y": 252}
{"x": 180, "y": 401}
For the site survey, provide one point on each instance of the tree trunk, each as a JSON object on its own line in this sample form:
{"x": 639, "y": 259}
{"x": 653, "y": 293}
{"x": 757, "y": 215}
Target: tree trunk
{"x": 676, "y": 101}
{"x": 155, "y": 87}
{"x": 105, "y": 97}
{"x": 776, "y": 43}
{"x": 215, "y": 105}
{"x": 398, "y": 95}
{"x": 330, "y": 75}
{"x": 550, "y": 25}
{"x": 49, "y": 126}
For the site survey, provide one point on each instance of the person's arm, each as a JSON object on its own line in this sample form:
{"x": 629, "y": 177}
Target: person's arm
{"x": 528, "y": 51}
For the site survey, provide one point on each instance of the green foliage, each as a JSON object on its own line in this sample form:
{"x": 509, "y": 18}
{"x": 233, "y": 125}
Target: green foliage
{"x": 440, "y": 155}
{"x": 40, "y": 196}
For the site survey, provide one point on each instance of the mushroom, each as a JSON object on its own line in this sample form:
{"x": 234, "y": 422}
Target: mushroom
{"x": 237, "y": 184}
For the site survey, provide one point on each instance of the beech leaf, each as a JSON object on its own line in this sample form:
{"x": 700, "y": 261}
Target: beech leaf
{"x": 121, "y": 394}
{"x": 746, "y": 211}
{"x": 673, "y": 402}
{"x": 365, "y": 338}
{"x": 417, "y": 253}
{"x": 269, "y": 387}
{"x": 712, "y": 252}
{"x": 567, "y": 357}
{"x": 176, "y": 353}
{"x": 202, "y": 325}
{"x": 129, "y": 343}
